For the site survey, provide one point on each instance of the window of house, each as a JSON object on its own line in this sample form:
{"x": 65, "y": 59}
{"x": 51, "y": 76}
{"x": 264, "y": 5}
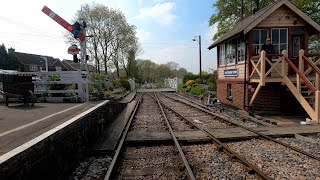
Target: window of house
{"x": 58, "y": 68}
{"x": 33, "y": 67}
{"x": 259, "y": 37}
{"x": 229, "y": 91}
{"x": 222, "y": 57}
{"x": 231, "y": 53}
{"x": 279, "y": 39}
{"x": 241, "y": 50}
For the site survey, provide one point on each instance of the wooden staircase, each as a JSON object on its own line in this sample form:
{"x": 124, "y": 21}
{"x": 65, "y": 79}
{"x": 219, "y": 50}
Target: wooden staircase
{"x": 307, "y": 93}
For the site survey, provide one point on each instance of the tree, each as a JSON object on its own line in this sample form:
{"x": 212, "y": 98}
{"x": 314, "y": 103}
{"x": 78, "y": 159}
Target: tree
{"x": 229, "y": 12}
{"x": 113, "y": 37}
{"x": 9, "y": 61}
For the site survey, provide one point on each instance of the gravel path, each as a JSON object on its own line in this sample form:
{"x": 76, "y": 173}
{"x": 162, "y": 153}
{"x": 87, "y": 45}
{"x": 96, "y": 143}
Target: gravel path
{"x": 205, "y": 119}
{"x": 312, "y": 148}
{"x": 151, "y": 157}
{"x": 315, "y": 137}
{"x": 209, "y": 163}
{"x": 226, "y": 110}
{"x": 276, "y": 160}
{"x": 149, "y": 116}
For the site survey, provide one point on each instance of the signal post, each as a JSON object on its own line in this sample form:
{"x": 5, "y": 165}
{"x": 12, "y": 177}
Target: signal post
{"x": 79, "y": 32}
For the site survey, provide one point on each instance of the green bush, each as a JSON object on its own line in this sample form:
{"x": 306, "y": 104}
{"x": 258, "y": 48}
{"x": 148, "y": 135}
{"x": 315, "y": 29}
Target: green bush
{"x": 198, "y": 81}
{"x": 125, "y": 84}
{"x": 180, "y": 86}
{"x": 197, "y": 90}
{"x": 116, "y": 83}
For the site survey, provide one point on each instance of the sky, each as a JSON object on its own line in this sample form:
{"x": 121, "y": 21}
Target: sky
{"x": 165, "y": 28}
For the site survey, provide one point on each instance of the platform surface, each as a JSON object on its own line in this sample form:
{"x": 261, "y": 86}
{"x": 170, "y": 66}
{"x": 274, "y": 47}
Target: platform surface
{"x": 20, "y": 124}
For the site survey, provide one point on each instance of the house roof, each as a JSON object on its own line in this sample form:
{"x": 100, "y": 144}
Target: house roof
{"x": 250, "y": 22}
{"x": 35, "y": 59}
{"x": 28, "y": 59}
{"x": 70, "y": 65}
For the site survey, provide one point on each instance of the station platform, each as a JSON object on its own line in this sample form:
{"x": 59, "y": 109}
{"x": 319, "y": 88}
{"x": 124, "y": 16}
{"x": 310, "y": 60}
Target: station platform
{"x": 20, "y": 124}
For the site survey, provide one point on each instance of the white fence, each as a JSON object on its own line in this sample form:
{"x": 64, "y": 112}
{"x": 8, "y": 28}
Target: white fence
{"x": 171, "y": 83}
{"x": 77, "y": 82}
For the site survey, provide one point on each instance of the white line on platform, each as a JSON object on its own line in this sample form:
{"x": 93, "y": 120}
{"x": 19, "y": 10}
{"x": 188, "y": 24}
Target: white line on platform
{"x": 36, "y": 140}
{"x": 37, "y": 121}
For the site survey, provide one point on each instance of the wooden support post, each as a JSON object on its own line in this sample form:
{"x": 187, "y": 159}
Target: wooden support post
{"x": 317, "y": 82}
{"x": 283, "y": 65}
{"x": 317, "y": 106}
{"x": 255, "y": 94}
{"x": 301, "y": 69}
{"x": 263, "y": 68}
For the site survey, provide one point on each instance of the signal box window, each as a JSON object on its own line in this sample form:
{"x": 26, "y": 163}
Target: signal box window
{"x": 229, "y": 91}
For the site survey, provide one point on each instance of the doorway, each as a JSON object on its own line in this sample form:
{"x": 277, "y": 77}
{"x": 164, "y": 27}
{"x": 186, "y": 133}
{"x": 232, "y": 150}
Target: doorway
{"x": 296, "y": 43}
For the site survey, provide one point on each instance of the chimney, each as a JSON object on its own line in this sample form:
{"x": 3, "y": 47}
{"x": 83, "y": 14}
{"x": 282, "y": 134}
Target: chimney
{"x": 11, "y": 51}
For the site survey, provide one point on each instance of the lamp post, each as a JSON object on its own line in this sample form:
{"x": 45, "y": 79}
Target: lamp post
{"x": 198, "y": 38}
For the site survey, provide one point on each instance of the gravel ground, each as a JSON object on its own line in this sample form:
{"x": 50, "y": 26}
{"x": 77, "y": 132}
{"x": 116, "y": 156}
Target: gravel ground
{"x": 276, "y": 160}
{"x": 208, "y": 163}
{"x": 150, "y": 157}
{"x": 208, "y": 121}
{"x": 149, "y": 116}
{"x": 177, "y": 123}
{"x": 93, "y": 168}
{"x": 312, "y": 148}
{"x": 228, "y": 111}
{"x": 315, "y": 137}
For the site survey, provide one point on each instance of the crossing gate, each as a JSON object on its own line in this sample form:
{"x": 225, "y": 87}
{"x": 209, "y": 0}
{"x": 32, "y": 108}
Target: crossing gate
{"x": 77, "y": 85}
{"x": 172, "y": 83}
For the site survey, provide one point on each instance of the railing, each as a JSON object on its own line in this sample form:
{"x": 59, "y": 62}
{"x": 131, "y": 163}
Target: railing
{"x": 300, "y": 76}
{"x": 312, "y": 66}
{"x": 171, "y": 83}
{"x": 259, "y": 68}
{"x": 310, "y": 103}
{"x": 77, "y": 82}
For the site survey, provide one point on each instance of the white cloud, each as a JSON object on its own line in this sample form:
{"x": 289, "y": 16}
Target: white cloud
{"x": 161, "y": 12}
{"x": 186, "y": 53}
{"x": 143, "y": 35}
{"x": 212, "y": 31}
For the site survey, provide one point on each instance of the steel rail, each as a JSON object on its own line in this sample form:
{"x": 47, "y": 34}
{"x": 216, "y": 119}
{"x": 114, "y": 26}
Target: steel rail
{"x": 123, "y": 137}
{"x": 243, "y": 115}
{"x": 251, "y": 130}
{"x": 222, "y": 147}
{"x": 182, "y": 155}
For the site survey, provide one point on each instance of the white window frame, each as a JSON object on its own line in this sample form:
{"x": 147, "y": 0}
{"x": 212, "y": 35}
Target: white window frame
{"x": 229, "y": 91}
{"x": 58, "y": 68}
{"x": 279, "y": 45}
{"x": 222, "y": 55}
{"x": 241, "y": 45}
{"x": 261, "y": 41}
{"x": 230, "y": 51}
{"x": 33, "y": 67}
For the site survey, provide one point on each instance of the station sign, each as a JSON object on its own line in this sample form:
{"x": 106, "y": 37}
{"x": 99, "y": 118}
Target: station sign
{"x": 231, "y": 72}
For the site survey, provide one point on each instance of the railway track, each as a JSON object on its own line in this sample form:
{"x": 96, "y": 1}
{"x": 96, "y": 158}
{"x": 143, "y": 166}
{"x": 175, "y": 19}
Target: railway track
{"x": 165, "y": 161}
{"x": 159, "y": 161}
{"x": 186, "y": 157}
{"x": 265, "y": 153}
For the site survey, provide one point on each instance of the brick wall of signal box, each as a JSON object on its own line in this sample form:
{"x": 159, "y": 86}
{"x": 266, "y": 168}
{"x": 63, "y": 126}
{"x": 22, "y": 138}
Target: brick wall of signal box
{"x": 268, "y": 99}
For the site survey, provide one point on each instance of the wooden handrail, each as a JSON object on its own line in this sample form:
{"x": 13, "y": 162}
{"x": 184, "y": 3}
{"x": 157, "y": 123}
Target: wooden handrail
{"x": 308, "y": 83}
{"x": 255, "y": 57}
{"x": 271, "y": 55}
{"x": 312, "y": 54}
{"x": 311, "y": 64}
